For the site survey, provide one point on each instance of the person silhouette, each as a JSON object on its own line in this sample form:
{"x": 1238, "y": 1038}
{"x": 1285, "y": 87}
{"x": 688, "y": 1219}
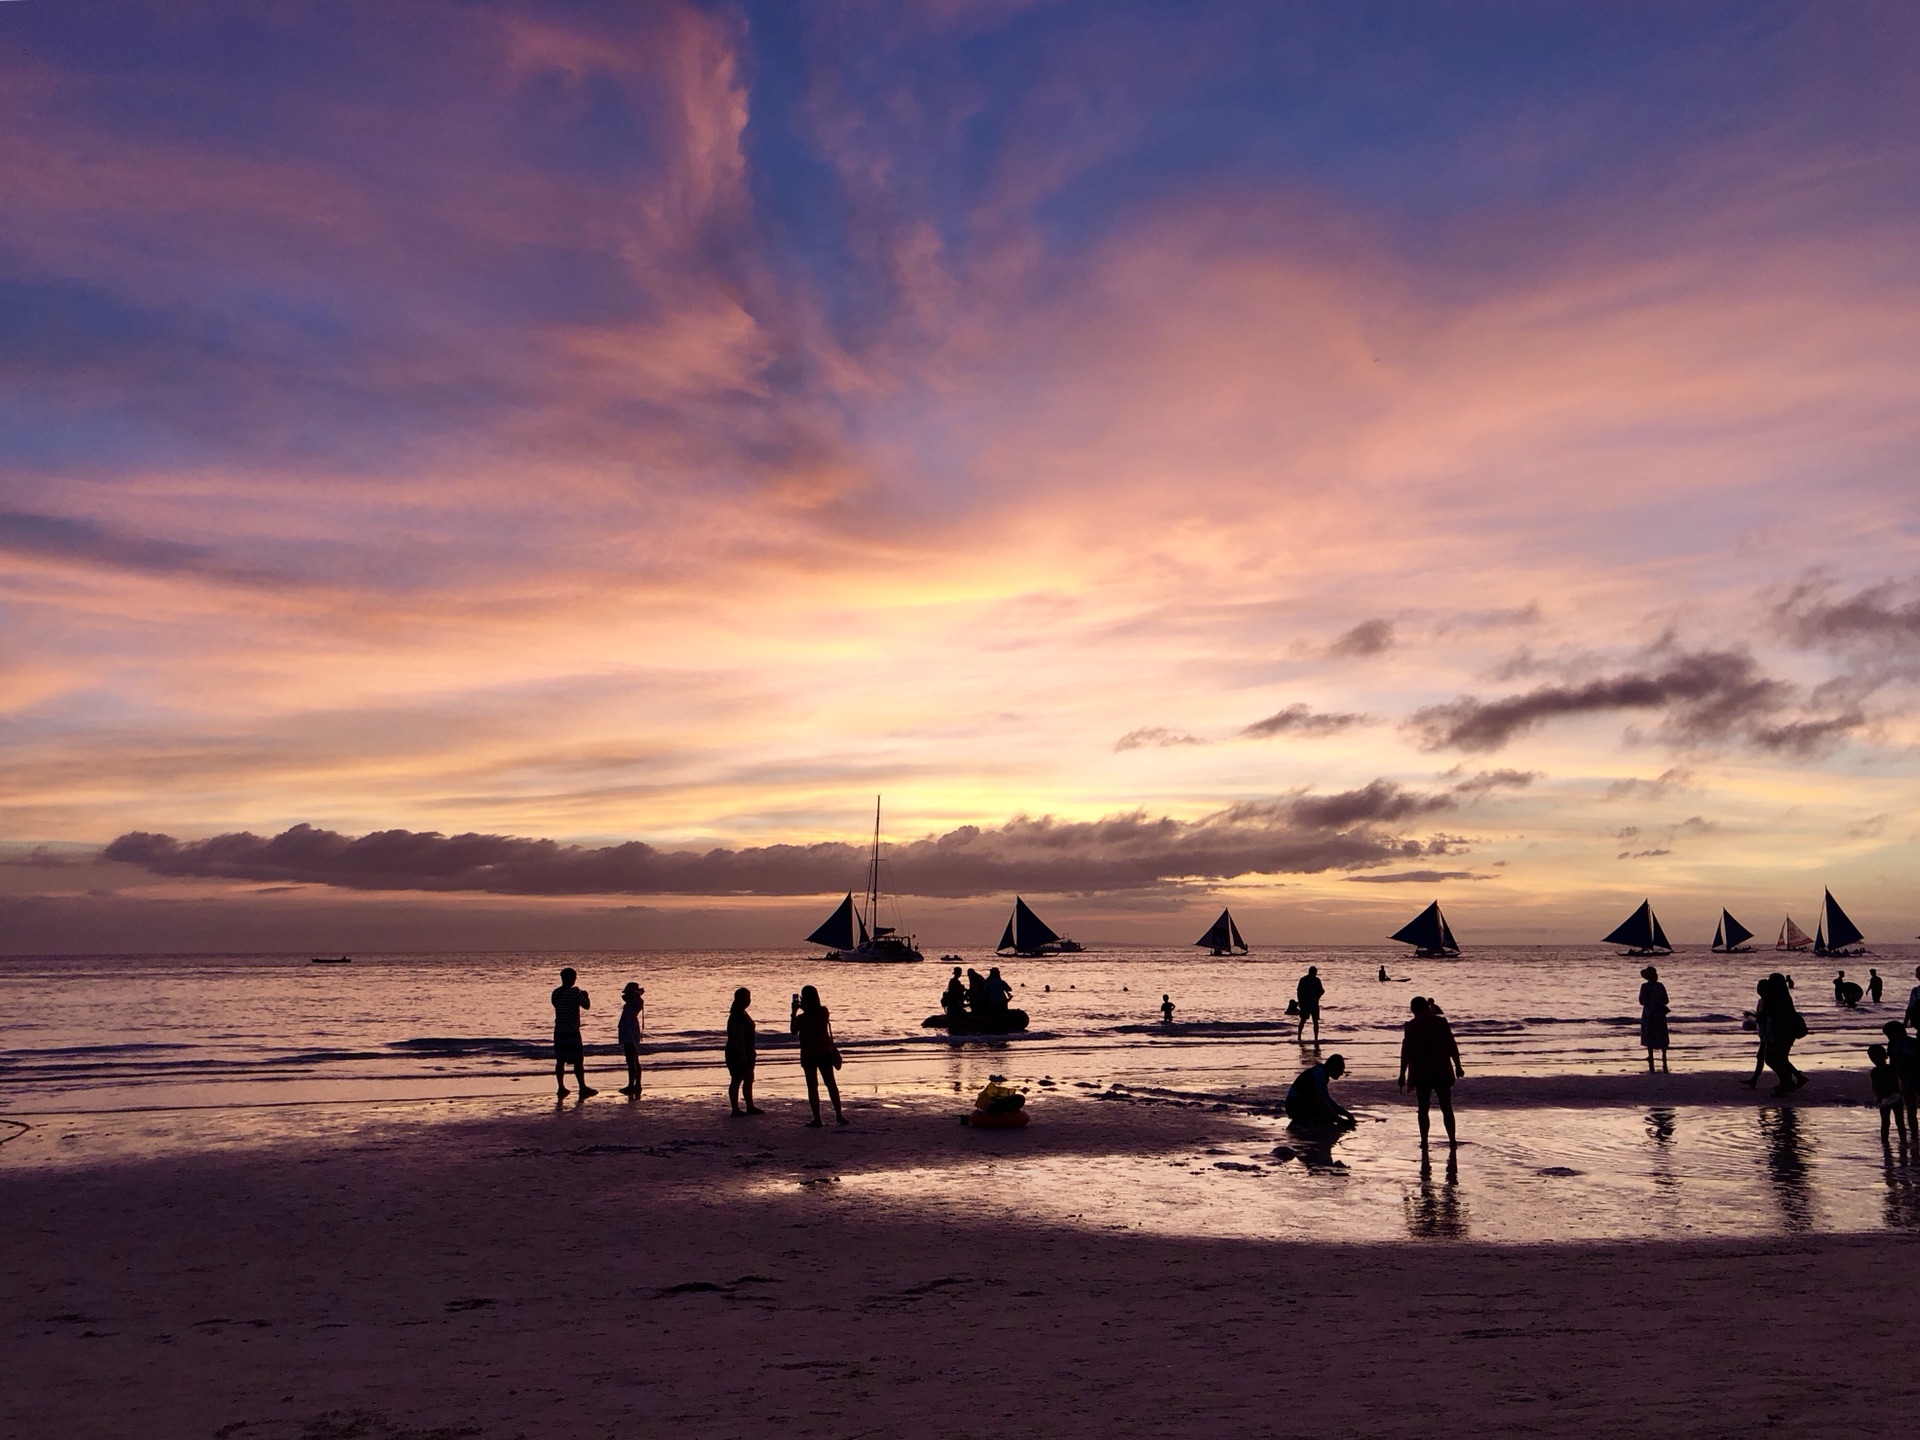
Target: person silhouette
{"x": 1310, "y": 1104}
{"x": 633, "y": 1004}
{"x": 819, "y": 1056}
{"x": 997, "y": 993}
{"x": 1308, "y": 993}
{"x": 1876, "y": 987}
{"x": 741, "y": 1044}
{"x": 1430, "y": 1063}
{"x": 1166, "y": 1010}
{"x": 953, "y": 1000}
{"x": 1384, "y": 977}
{"x": 1913, "y": 1003}
{"x": 1653, "y": 1016}
{"x": 568, "y": 1048}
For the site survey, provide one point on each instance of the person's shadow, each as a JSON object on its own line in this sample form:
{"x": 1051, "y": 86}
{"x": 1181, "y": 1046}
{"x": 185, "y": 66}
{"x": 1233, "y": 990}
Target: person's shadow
{"x": 1436, "y": 1212}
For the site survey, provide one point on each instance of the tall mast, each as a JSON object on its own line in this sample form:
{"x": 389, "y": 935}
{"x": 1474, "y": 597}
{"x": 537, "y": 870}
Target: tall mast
{"x": 873, "y": 873}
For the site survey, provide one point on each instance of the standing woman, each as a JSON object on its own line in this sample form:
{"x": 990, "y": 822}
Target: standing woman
{"x": 1653, "y": 1017}
{"x": 1429, "y": 1063}
{"x": 819, "y": 1056}
{"x": 740, "y": 1053}
{"x": 633, "y": 1005}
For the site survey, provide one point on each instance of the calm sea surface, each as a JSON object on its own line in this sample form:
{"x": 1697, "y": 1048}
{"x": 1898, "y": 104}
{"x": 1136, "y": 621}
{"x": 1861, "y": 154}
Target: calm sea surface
{"x": 278, "y": 1046}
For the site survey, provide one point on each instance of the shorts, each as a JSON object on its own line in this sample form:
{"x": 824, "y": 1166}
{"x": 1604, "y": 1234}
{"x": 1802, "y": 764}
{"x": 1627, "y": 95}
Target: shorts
{"x": 568, "y": 1048}
{"x": 1310, "y": 1012}
{"x": 738, "y": 1069}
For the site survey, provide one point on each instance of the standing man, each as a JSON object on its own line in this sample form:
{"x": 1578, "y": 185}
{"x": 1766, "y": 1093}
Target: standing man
{"x": 1913, "y": 1002}
{"x": 1876, "y": 987}
{"x": 568, "y": 1049}
{"x": 1307, "y": 994}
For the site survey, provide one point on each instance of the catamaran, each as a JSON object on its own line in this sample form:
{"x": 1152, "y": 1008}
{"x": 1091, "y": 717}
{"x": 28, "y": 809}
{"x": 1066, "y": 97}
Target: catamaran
{"x": 874, "y": 941}
{"x": 1429, "y": 934}
{"x": 1730, "y": 936}
{"x": 1223, "y": 938}
{"x": 1640, "y": 932}
{"x": 1792, "y": 937}
{"x": 1027, "y": 934}
{"x": 1836, "y": 934}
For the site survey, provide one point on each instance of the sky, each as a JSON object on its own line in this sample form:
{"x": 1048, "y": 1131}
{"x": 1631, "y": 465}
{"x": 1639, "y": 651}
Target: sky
{"x": 529, "y": 475}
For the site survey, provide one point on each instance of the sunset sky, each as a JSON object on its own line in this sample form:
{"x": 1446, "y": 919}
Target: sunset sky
{"x": 1325, "y": 456}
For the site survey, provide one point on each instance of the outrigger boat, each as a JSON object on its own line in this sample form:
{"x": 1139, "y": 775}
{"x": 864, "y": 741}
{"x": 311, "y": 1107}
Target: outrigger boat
{"x": 853, "y": 932}
{"x": 1224, "y": 937}
{"x": 1029, "y": 936}
{"x": 1640, "y": 932}
{"x": 1792, "y": 937}
{"x": 1836, "y": 934}
{"x": 1730, "y": 936}
{"x": 1429, "y": 934}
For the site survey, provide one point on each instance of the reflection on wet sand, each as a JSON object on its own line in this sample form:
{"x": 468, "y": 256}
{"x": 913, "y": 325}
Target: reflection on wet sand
{"x": 1787, "y": 1167}
{"x": 1437, "y": 1212}
{"x": 1660, "y": 1130}
{"x": 1903, "y": 1191}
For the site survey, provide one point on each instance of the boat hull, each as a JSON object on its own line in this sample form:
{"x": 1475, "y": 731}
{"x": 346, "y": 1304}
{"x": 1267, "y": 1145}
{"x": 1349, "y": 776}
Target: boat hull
{"x": 883, "y": 954}
{"x": 1014, "y": 1023}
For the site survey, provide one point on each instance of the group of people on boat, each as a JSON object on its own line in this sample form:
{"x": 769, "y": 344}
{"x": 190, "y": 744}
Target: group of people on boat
{"x": 981, "y": 1004}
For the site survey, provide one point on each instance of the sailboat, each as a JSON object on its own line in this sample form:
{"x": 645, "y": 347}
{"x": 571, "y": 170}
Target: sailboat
{"x": 855, "y": 933}
{"x": 1027, "y": 934}
{"x": 1223, "y": 938}
{"x": 1640, "y": 932}
{"x": 1730, "y": 936}
{"x": 1836, "y": 934}
{"x": 1429, "y": 934}
{"x": 1792, "y": 937}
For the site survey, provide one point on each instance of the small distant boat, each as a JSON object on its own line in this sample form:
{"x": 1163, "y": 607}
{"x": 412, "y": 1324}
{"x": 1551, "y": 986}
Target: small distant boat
{"x": 331, "y": 960}
{"x": 1640, "y": 932}
{"x": 854, "y": 933}
{"x": 1792, "y": 937}
{"x": 1730, "y": 936}
{"x": 1835, "y": 934}
{"x": 1224, "y": 937}
{"x": 1429, "y": 934}
{"x": 1028, "y": 935}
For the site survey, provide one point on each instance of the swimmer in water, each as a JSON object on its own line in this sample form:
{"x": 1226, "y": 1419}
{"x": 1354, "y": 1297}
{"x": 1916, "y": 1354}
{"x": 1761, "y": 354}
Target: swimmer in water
{"x": 1166, "y": 1009}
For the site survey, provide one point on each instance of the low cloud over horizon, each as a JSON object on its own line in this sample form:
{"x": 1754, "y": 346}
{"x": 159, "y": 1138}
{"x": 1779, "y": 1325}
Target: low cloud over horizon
{"x": 1296, "y": 834}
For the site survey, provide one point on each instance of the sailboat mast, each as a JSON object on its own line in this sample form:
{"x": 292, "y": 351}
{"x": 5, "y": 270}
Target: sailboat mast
{"x": 873, "y": 873}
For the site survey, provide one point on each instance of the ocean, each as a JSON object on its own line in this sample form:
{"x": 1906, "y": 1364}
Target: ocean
{"x": 136, "y": 1054}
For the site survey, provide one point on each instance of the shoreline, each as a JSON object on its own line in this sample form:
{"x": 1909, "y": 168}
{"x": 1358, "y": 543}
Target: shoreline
{"x": 635, "y": 1269}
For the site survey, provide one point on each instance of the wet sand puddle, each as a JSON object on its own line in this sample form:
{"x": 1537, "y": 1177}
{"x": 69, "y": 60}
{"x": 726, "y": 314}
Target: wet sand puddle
{"x": 1521, "y": 1175}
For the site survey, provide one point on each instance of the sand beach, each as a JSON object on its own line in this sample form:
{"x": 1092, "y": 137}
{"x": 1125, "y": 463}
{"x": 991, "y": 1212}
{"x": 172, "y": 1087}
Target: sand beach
{"x": 656, "y": 1268}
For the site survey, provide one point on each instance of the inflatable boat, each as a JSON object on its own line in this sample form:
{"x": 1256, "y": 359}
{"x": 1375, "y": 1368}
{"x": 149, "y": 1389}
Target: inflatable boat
{"x": 1006, "y": 1023}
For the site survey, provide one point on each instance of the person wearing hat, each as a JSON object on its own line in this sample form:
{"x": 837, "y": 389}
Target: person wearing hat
{"x": 1653, "y": 1016}
{"x": 633, "y": 1018}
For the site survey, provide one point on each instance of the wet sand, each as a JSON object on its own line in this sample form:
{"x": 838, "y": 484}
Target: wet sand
{"x": 653, "y": 1269}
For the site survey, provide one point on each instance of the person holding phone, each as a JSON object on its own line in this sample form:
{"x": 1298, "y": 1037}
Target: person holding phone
{"x": 819, "y": 1056}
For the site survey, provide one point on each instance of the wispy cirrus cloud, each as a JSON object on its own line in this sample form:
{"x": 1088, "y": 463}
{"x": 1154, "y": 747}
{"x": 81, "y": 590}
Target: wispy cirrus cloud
{"x": 1303, "y": 720}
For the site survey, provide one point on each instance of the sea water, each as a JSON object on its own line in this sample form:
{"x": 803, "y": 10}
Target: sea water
{"x": 275, "y": 1046}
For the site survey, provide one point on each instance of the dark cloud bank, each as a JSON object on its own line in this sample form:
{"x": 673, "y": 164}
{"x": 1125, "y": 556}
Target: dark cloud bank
{"x": 1705, "y": 696}
{"x": 1296, "y": 834}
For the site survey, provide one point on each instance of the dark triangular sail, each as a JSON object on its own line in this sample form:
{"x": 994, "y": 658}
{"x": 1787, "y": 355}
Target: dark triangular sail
{"x": 1448, "y": 943}
{"x": 1006, "y": 936}
{"x": 1640, "y": 931}
{"x": 837, "y": 933}
{"x": 1841, "y": 931}
{"x": 1720, "y": 932}
{"x": 1223, "y": 934}
{"x": 1426, "y": 931}
{"x": 1030, "y": 932}
{"x": 1732, "y": 932}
